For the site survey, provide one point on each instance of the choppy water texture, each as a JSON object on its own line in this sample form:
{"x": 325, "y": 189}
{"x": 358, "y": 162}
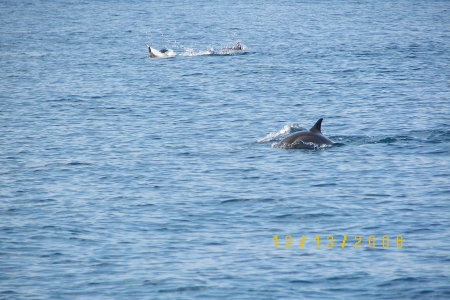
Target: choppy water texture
{"x": 125, "y": 177}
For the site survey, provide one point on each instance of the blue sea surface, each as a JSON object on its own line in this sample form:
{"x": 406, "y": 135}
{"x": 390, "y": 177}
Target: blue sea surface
{"x": 129, "y": 177}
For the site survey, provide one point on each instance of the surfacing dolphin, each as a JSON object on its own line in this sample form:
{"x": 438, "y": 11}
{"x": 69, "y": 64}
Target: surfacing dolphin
{"x": 306, "y": 139}
{"x": 236, "y": 46}
{"x": 163, "y": 53}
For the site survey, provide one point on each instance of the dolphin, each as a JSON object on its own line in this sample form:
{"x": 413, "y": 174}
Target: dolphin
{"x": 236, "y": 46}
{"x": 306, "y": 139}
{"x": 163, "y": 53}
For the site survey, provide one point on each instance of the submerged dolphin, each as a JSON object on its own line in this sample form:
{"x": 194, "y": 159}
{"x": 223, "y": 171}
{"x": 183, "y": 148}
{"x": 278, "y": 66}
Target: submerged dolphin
{"x": 303, "y": 139}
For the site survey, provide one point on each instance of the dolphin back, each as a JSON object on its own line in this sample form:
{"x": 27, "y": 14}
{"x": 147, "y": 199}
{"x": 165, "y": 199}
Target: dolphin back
{"x": 307, "y": 137}
{"x": 314, "y": 136}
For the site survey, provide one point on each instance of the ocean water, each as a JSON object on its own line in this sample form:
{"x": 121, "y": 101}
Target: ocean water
{"x": 126, "y": 177}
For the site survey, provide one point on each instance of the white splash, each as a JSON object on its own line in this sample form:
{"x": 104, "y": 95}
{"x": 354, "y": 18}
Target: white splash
{"x": 287, "y": 129}
{"x": 192, "y": 52}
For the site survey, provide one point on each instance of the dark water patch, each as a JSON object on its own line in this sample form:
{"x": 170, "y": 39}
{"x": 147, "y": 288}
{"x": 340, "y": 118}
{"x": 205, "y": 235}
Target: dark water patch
{"x": 346, "y": 277}
{"x": 10, "y": 210}
{"x": 323, "y": 184}
{"x": 53, "y": 227}
{"x": 418, "y": 231}
{"x": 183, "y": 289}
{"x": 145, "y": 205}
{"x": 215, "y": 244}
{"x": 338, "y": 144}
{"x": 233, "y": 201}
{"x": 8, "y": 292}
{"x": 44, "y": 200}
{"x": 378, "y": 195}
{"x": 78, "y": 163}
{"x": 415, "y": 138}
{"x": 381, "y": 202}
{"x": 55, "y": 254}
{"x": 378, "y": 248}
{"x": 439, "y": 152}
{"x": 193, "y": 74}
{"x": 69, "y": 99}
{"x": 431, "y": 136}
{"x": 387, "y": 140}
{"x": 151, "y": 282}
{"x": 401, "y": 281}
{"x": 299, "y": 281}
{"x": 303, "y": 216}
{"x": 269, "y": 199}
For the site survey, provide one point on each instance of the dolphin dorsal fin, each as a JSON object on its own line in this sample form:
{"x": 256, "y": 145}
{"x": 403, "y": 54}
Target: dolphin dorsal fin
{"x": 317, "y": 126}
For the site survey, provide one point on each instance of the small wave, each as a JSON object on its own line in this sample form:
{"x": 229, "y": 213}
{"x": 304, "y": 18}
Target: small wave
{"x": 401, "y": 280}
